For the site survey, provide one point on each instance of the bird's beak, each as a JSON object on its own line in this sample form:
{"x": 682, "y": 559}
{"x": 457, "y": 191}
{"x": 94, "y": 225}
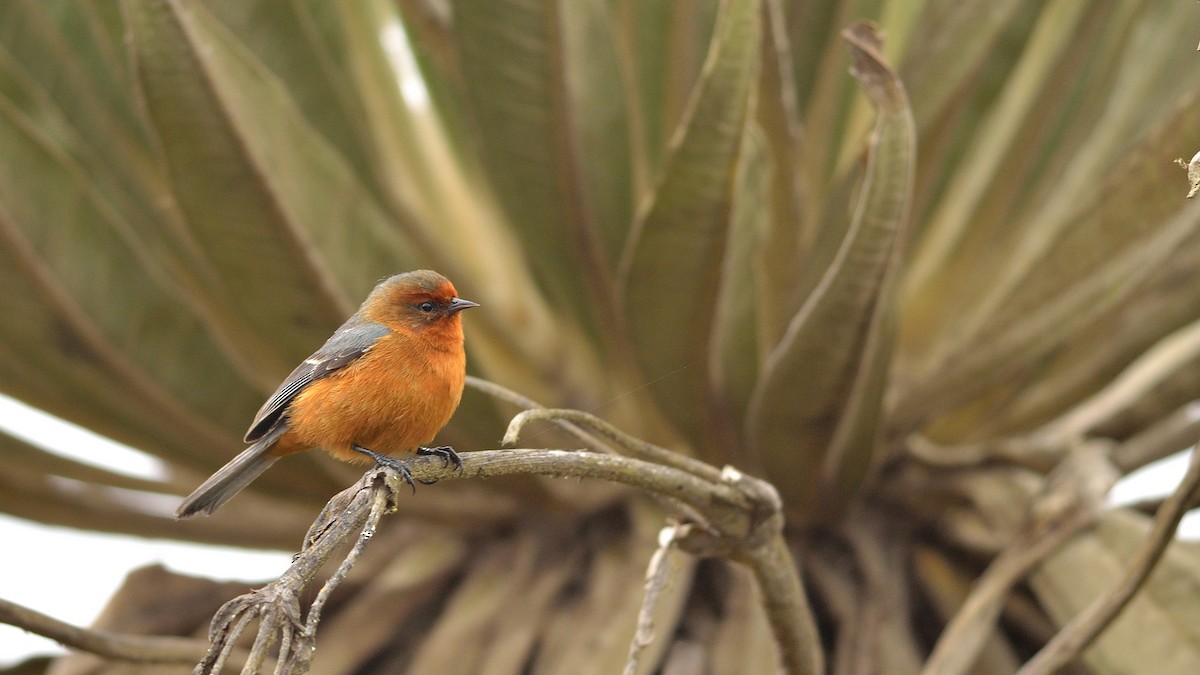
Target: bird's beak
{"x": 458, "y": 305}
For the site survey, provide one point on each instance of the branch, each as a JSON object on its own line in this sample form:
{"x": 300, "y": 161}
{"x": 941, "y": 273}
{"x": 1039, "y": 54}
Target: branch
{"x": 505, "y": 394}
{"x": 277, "y": 605}
{"x": 738, "y": 517}
{"x": 787, "y": 606}
{"x": 135, "y": 648}
{"x": 1085, "y": 627}
{"x": 636, "y": 446}
{"x": 656, "y": 581}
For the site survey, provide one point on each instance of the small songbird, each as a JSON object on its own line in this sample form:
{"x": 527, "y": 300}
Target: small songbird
{"x": 385, "y": 383}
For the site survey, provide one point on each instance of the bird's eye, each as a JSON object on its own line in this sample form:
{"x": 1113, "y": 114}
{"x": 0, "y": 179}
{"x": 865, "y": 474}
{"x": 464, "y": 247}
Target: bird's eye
{"x": 427, "y": 306}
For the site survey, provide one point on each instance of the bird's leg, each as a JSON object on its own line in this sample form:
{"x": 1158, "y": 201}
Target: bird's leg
{"x": 389, "y": 462}
{"x": 447, "y": 453}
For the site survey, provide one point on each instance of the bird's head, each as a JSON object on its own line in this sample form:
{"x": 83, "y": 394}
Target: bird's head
{"x": 421, "y": 301}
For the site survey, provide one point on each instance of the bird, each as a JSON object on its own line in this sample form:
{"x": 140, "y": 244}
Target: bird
{"x": 383, "y": 384}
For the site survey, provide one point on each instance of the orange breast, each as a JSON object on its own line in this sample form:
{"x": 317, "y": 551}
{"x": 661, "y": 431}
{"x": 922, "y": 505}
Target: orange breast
{"x": 392, "y": 399}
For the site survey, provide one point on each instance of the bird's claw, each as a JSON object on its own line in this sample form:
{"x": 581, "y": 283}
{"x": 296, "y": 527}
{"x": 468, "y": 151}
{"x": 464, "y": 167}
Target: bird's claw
{"x": 447, "y": 453}
{"x": 405, "y": 474}
{"x": 391, "y": 463}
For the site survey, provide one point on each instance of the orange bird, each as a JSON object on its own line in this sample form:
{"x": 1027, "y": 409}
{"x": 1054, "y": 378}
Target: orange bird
{"x": 385, "y": 383}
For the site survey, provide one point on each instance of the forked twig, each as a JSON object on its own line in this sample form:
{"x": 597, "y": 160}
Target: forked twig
{"x": 277, "y": 605}
{"x": 656, "y": 581}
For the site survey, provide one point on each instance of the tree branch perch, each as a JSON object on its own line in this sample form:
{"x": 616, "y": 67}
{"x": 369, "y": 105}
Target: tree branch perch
{"x": 135, "y": 648}
{"x": 739, "y": 517}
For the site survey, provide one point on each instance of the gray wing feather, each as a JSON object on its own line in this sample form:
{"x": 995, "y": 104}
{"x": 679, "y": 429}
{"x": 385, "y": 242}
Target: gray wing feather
{"x": 348, "y": 343}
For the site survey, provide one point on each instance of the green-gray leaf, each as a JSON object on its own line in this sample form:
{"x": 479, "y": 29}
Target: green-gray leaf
{"x": 814, "y": 412}
{"x": 669, "y": 281}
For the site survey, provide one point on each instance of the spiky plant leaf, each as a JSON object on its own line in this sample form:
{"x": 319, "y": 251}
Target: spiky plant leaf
{"x": 838, "y": 344}
{"x": 198, "y": 78}
{"x": 537, "y": 113}
{"x": 79, "y": 272}
{"x": 667, "y": 291}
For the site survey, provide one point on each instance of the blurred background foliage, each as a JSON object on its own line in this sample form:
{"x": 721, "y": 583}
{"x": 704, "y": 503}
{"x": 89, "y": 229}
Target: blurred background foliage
{"x": 903, "y": 297}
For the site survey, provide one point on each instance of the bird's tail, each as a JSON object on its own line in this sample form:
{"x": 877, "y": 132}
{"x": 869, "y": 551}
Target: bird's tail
{"x": 229, "y": 479}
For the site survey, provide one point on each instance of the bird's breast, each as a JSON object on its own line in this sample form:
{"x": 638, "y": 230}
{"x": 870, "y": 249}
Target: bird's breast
{"x": 393, "y": 398}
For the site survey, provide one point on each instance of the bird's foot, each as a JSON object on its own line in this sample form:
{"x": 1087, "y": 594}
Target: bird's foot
{"x": 447, "y": 453}
{"x": 390, "y": 462}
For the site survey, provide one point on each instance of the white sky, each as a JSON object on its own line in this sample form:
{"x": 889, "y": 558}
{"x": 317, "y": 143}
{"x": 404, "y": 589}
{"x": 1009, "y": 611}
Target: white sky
{"x": 38, "y": 571}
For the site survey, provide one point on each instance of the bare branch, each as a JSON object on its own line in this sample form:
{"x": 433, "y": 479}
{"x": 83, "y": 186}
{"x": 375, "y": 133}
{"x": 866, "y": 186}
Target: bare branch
{"x": 656, "y": 580}
{"x": 636, "y": 446}
{"x": 739, "y": 517}
{"x": 735, "y": 515}
{"x": 277, "y": 605}
{"x": 379, "y": 505}
{"x": 135, "y": 648}
{"x": 787, "y": 607}
{"x": 505, "y": 394}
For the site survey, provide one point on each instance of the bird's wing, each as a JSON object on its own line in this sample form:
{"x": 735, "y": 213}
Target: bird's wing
{"x": 348, "y": 343}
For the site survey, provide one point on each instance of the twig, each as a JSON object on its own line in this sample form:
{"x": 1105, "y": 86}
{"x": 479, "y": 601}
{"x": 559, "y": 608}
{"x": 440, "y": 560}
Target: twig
{"x": 277, "y": 604}
{"x": 636, "y": 446}
{"x": 225, "y": 651}
{"x": 656, "y": 581}
{"x": 738, "y": 517}
{"x": 786, "y": 606}
{"x": 264, "y": 642}
{"x": 379, "y": 505}
{"x": 135, "y": 648}
{"x": 285, "y": 654}
{"x": 1085, "y": 627}
{"x": 508, "y": 395}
